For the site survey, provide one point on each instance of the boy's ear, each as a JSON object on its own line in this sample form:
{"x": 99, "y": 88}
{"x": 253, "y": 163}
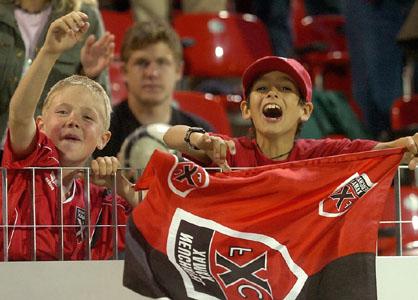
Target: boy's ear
{"x": 245, "y": 110}
{"x": 39, "y": 122}
{"x": 104, "y": 138}
{"x": 307, "y": 111}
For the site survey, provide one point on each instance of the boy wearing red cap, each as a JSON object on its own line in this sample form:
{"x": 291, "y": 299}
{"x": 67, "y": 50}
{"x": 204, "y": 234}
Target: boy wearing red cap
{"x": 277, "y": 100}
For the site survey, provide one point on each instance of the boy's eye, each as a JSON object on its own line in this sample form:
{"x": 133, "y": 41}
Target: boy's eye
{"x": 87, "y": 117}
{"x": 261, "y": 89}
{"x": 61, "y": 112}
{"x": 286, "y": 89}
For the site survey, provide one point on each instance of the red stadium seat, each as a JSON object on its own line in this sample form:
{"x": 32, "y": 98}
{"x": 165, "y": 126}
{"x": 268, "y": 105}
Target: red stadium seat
{"x": 117, "y": 82}
{"x": 404, "y": 113}
{"x": 117, "y": 22}
{"x": 319, "y": 37}
{"x": 206, "y": 106}
{"x": 221, "y": 44}
{"x": 321, "y": 33}
{"x": 320, "y": 43}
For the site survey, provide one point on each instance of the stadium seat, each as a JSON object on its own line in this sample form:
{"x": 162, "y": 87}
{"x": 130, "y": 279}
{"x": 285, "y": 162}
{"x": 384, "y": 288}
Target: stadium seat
{"x": 404, "y": 113}
{"x": 218, "y": 47}
{"x": 221, "y": 44}
{"x": 117, "y": 82}
{"x": 320, "y": 33}
{"x": 321, "y": 45}
{"x": 320, "y": 42}
{"x": 206, "y": 106}
{"x": 117, "y": 22}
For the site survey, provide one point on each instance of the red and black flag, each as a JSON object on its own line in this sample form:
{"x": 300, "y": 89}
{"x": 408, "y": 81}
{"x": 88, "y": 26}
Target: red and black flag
{"x": 298, "y": 230}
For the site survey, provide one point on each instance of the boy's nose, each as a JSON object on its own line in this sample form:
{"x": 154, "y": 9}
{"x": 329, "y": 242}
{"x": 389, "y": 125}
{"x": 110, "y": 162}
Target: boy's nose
{"x": 72, "y": 120}
{"x": 273, "y": 93}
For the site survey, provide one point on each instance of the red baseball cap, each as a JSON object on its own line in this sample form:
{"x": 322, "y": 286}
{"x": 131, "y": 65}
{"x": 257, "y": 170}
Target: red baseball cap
{"x": 276, "y": 63}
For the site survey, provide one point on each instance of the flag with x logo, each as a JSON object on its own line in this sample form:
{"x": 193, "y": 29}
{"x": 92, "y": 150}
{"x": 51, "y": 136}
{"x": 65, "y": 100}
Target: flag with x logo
{"x": 298, "y": 230}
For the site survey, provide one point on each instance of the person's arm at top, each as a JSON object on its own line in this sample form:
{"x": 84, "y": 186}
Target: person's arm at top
{"x": 63, "y": 34}
{"x": 97, "y": 54}
{"x": 409, "y": 143}
{"x": 202, "y": 146}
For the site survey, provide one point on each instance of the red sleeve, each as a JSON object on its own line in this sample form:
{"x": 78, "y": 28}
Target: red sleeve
{"x": 345, "y": 146}
{"x": 312, "y": 148}
{"x": 44, "y": 155}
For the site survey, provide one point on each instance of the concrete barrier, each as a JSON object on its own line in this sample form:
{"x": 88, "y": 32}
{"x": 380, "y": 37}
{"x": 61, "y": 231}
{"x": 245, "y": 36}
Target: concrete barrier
{"x": 397, "y": 278}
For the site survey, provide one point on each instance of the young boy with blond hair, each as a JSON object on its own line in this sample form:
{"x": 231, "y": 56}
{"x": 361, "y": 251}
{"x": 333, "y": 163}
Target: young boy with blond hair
{"x": 74, "y": 122}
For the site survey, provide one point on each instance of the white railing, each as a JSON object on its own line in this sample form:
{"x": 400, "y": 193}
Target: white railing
{"x": 5, "y": 220}
{"x": 396, "y": 232}
{"x": 405, "y": 226}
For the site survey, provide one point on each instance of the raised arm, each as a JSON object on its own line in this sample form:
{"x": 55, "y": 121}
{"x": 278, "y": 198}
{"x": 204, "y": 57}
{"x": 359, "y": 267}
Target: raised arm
{"x": 410, "y": 144}
{"x": 63, "y": 34}
{"x": 201, "y": 146}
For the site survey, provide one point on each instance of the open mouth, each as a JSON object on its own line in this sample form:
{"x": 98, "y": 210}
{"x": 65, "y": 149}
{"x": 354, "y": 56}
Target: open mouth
{"x": 71, "y": 137}
{"x": 272, "y": 111}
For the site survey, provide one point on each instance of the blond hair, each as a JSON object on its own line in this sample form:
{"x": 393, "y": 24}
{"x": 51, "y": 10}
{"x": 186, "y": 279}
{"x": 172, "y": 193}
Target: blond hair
{"x": 92, "y": 86}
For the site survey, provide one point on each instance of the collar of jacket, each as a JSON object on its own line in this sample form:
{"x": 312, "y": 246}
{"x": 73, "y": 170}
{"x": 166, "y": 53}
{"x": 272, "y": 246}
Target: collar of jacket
{"x": 7, "y": 14}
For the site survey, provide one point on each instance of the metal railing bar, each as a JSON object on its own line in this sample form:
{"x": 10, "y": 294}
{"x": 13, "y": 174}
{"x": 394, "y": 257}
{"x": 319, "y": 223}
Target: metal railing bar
{"x": 115, "y": 220}
{"x": 60, "y": 216}
{"x": 5, "y": 214}
{"x": 398, "y": 213}
{"x": 87, "y": 208}
{"x": 33, "y": 214}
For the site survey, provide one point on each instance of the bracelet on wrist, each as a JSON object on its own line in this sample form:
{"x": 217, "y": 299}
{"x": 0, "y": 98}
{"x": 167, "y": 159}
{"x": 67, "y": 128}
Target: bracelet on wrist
{"x": 189, "y": 133}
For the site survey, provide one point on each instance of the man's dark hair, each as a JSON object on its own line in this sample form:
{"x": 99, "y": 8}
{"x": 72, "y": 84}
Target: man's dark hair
{"x": 144, "y": 34}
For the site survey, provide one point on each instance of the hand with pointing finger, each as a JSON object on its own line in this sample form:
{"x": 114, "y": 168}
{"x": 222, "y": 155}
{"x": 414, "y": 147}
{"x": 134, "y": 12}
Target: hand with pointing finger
{"x": 216, "y": 148}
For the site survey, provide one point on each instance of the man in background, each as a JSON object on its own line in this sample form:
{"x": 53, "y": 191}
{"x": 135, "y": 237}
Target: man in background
{"x": 152, "y": 59}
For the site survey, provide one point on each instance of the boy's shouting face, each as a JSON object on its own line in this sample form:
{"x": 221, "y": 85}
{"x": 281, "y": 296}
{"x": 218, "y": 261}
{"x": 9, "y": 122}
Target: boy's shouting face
{"x": 74, "y": 121}
{"x": 274, "y": 106}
